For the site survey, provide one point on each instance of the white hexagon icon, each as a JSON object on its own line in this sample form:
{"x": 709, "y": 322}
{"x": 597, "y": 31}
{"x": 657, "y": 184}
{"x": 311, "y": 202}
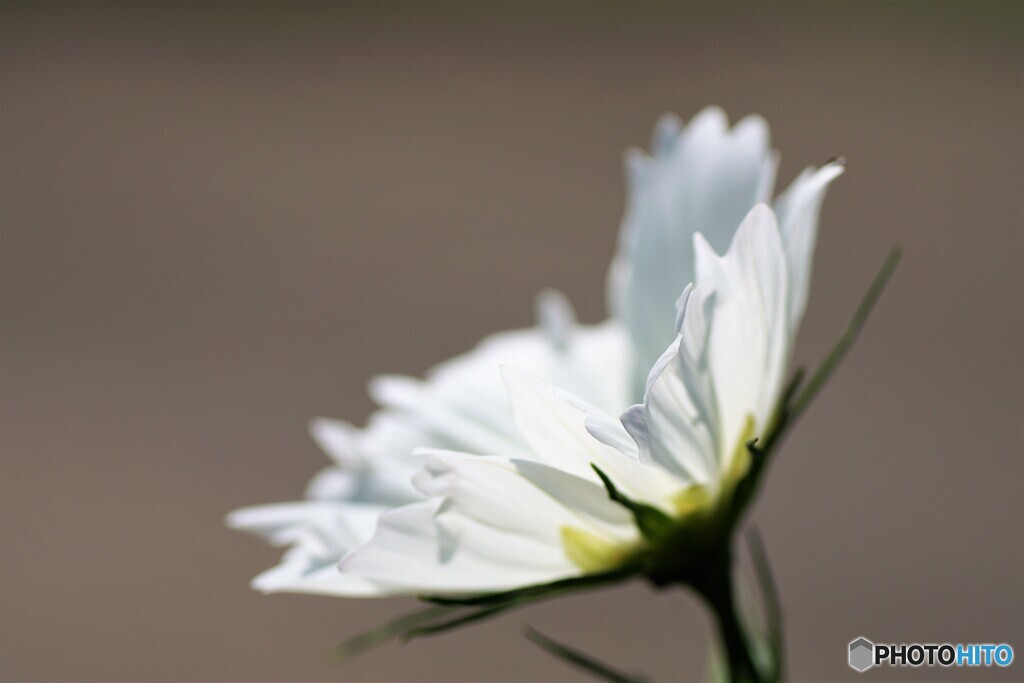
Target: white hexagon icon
{"x": 862, "y": 654}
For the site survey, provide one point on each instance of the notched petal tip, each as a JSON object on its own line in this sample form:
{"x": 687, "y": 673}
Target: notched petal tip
{"x": 262, "y": 520}
{"x": 556, "y": 317}
{"x": 437, "y": 478}
{"x": 236, "y": 520}
{"x": 267, "y": 584}
{"x": 634, "y": 421}
{"x": 666, "y": 132}
{"x": 760, "y": 213}
{"x": 681, "y": 303}
{"x": 338, "y": 439}
{"x": 395, "y": 391}
{"x": 820, "y": 178}
{"x": 712, "y": 117}
{"x": 752, "y": 129}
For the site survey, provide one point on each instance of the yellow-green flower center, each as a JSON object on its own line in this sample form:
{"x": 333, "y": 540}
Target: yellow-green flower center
{"x": 590, "y": 552}
{"x": 594, "y": 553}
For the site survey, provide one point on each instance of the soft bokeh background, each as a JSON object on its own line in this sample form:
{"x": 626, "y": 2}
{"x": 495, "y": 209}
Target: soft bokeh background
{"x": 221, "y": 220}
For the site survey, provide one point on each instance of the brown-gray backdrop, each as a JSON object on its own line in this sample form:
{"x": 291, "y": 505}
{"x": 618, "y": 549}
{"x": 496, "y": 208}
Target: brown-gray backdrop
{"x": 221, "y": 220}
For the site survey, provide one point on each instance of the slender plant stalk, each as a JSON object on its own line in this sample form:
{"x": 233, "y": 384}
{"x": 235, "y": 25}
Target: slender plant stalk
{"x": 716, "y": 587}
{"x": 772, "y": 603}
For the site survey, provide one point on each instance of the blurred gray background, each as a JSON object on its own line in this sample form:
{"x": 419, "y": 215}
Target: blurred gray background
{"x": 221, "y": 220}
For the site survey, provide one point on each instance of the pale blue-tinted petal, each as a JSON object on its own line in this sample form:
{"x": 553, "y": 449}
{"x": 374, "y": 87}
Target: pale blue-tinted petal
{"x": 332, "y": 484}
{"x": 666, "y": 133}
{"x": 299, "y": 572}
{"x": 705, "y": 179}
{"x": 376, "y": 460}
{"x": 319, "y": 533}
{"x": 556, "y": 317}
{"x": 676, "y": 426}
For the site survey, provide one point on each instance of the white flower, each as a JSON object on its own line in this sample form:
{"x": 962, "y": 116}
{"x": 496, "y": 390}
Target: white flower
{"x": 701, "y": 178}
{"x": 497, "y": 523}
{"x": 460, "y": 405}
{"x": 704, "y": 177}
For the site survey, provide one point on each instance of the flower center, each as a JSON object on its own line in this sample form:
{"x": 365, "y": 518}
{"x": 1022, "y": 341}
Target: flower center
{"x": 590, "y": 552}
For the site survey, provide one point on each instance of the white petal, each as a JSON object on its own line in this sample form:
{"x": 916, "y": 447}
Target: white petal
{"x": 609, "y": 431}
{"x": 374, "y": 463}
{"x": 396, "y": 391}
{"x": 385, "y": 449}
{"x": 726, "y": 366}
{"x": 324, "y": 528}
{"x": 333, "y": 484}
{"x": 496, "y": 525}
{"x": 495, "y": 491}
{"x": 319, "y": 533}
{"x": 461, "y": 409}
{"x": 797, "y": 209}
{"x": 338, "y": 440}
{"x": 555, "y": 317}
{"x": 749, "y": 340}
{"x": 462, "y": 405}
{"x": 666, "y": 131}
{"x": 301, "y": 573}
{"x": 407, "y": 557}
{"x": 554, "y": 423}
{"x": 675, "y": 428}
{"x": 706, "y": 180}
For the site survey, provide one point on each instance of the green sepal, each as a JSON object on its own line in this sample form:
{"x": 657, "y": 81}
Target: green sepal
{"x": 396, "y": 628}
{"x": 581, "y": 660}
{"x": 540, "y": 590}
{"x": 652, "y": 522}
{"x": 462, "y": 620}
{"x": 492, "y": 604}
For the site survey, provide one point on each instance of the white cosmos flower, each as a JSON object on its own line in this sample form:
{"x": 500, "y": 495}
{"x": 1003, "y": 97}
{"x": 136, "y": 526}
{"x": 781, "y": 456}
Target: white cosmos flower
{"x": 460, "y": 405}
{"x": 495, "y": 523}
{"x": 702, "y": 177}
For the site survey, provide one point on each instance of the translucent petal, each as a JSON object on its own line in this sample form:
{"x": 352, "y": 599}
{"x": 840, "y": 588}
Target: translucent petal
{"x": 554, "y": 423}
{"x": 718, "y": 383}
{"x": 318, "y": 533}
{"x": 494, "y": 524}
{"x": 797, "y": 210}
{"x": 705, "y": 178}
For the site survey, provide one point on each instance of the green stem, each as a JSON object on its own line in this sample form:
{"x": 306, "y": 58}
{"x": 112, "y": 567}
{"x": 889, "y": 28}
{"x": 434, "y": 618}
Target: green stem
{"x": 772, "y": 604}
{"x": 716, "y": 587}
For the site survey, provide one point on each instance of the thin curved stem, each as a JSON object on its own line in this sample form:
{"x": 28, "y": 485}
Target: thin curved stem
{"x": 716, "y": 587}
{"x": 772, "y": 604}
